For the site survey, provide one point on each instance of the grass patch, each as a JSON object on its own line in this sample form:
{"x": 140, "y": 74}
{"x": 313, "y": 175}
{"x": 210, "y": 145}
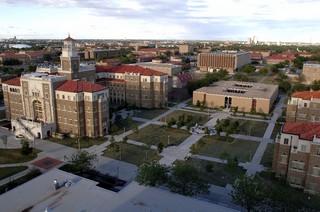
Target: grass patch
{"x": 32, "y": 174}
{"x": 154, "y": 134}
{"x": 126, "y": 126}
{"x": 131, "y": 154}
{"x": 269, "y": 80}
{"x": 244, "y": 150}
{"x": 151, "y": 113}
{"x": 252, "y": 128}
{"x": 9, "y": 171}
{"x": 85, "y": 142}
{"x": 268, "y": 156}
{"x": 219, "y": 175}
{"x": 197, "y": 117}
{"x": 15, "y": 156}
{"x": 276, "y": 130}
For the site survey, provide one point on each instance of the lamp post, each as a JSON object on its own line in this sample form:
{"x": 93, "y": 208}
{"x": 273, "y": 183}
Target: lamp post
{"x": 124, "y": 129}
{"x": 168, "y": 140}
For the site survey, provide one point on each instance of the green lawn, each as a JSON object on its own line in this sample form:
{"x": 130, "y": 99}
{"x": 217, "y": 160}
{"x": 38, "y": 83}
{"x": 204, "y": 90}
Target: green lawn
{"x": 197, "y": 117}
{"x": 151, "y": 113}
{"x": 269, "y": 80}
{"x": 9, "y": 171}
{"x": 153, "y": 134}
{"x": 268, "y": 156}
{"x": 244, "y": 150}
{"x": 124, "y": 126}
{"x": 131, "y": 153}
{"x": 84, "y": 142}
{"x": 252, "y": 128}
{"x": 15, "y": 156}
{"x": 220, "y": 175}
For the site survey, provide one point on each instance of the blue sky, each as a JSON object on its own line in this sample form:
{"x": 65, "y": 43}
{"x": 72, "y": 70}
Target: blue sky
{"x": 272, "y": 20}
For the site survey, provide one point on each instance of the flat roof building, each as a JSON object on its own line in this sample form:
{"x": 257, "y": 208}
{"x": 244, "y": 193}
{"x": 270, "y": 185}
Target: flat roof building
{"x": 82, "y": 194}
{"x": 232, "y": 61}
{"x": 247, "y": 96}
{"x": 311, "y": 71}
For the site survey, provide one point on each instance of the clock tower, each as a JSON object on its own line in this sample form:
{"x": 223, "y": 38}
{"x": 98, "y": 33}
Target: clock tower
{"x": 70, "y": 61}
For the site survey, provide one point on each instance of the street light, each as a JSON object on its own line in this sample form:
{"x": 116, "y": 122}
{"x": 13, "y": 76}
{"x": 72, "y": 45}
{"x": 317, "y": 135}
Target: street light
{"x": 168, "y": 140}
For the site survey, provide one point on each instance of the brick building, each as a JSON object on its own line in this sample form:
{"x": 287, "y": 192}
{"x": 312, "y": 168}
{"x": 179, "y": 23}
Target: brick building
{"x": 40, "y": 104}
{"x": 304, "y": 107}
{"x": 136, "y": 85}
{"x": 232, "y": 61}
{"x": 247, "y": 96}
{"x": 311, "y": 71}
{"x": 297, "y": 155}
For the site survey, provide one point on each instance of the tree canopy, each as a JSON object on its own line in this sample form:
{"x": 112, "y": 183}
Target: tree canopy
{"x": 248, "y": 193}
{"x": 82, "y": 161}
{"x": 152, "y": 174}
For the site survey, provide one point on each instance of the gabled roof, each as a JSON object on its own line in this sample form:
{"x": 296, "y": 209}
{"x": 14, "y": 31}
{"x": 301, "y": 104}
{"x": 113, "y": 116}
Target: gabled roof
{"x": 14, "y": 81}
{"x": 185, "y": 77}
{"x": 305, "y": 130}
{"x": 130, "y": 69}
{"x": 76, "y": 86}
{"x": 307, "y": 95}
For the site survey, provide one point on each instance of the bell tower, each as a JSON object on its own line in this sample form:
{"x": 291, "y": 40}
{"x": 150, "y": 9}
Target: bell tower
{"x": 70, "y": 61}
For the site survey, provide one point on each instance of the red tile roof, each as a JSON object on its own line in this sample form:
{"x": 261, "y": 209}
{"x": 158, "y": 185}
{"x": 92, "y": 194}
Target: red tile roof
{"x": 130, "y": 69}
{"x": 256, "y": 56}
{"x": 14, "y": 81}
{"x": 76, "y": 86}
{"x": 305, "y": 130}
{"x": 69, "y": 39}
{"x": 184, "y": 78}
{"x": 307, "y": 95}
{"x": 280, "y": 57}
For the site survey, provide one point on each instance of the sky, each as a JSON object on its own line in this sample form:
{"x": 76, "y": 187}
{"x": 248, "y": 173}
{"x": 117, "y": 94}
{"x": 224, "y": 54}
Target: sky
{"x": 234, "y": 20}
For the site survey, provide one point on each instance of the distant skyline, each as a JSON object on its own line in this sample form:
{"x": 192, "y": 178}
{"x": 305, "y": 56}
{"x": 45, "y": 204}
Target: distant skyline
{"x": 272, "y": 20}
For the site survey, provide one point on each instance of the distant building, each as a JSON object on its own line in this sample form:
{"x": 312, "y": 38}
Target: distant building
{"x": 304, "y": 107}
{"x": 232, "y": 61}
{"x": 311, "y": 71}
{"x": 109, "y": 62}
{"x": 186, "y": 48}
{"x": 100, "y": 53}
{"x": 181, "y": 80}
{"x": 167, "y": 68}
{"x": 244, "y": 95}
{"x": 296, "y": 155}
{"x": 135, "y": 85}
{"x": 278, "y": 58}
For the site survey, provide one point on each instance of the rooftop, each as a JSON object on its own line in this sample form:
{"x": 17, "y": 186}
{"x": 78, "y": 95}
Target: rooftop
{"x": 85, "y": 195}
{"x": 76, "y": 86}
{"x": 131, "y": 69}
{"x": 305, "y": 130}
{"x": 227, "y": 53}
{"x": 243, "y": 89}
{"x": 307, "y": 95}
{"x": 14, "y": 81}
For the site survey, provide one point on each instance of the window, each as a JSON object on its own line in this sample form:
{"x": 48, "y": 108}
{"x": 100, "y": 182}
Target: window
{"x": 295, "y": 180}
{"x": 62, "y": 96}
{"x": 305, "y": 105}
{"x": 88, "y": 108}
{"x": 88, "y": 122}
{"x": 283, "y": 159}
{"x": 58, "y": 96}
{"x": 46, "y": 95}
{"x": 316, "y": 171}
{"x": 298, "y": 165}
{"x": 285, "y": 141}
{"x": 70, "y": 121}
{"x": 59, "y": 118}
{"x": 68, "y": 97}
{"x": 318, "y": 151}
{"x": 65, "y": 120}
{"x": 303, "y": 148}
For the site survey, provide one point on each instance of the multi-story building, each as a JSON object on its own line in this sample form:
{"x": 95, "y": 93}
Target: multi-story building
{"x": 304, "y": 107}
{"x": 101, "y": 53}
{"x": 297, "y": 155}
{"x": 311, "y": 71}
{"x": 232, "y": 61}
{"x": 186, "y": 48}
{"x": 246, "y": 96}
{"x": 170, "y": 69}
{"x": 136, "y": 85}
{"x": 39, "y": 104}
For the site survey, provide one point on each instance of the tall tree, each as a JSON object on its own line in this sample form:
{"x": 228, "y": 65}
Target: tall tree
{"x": 152, "y": 174}
{"x": 248, "y": 193}
{"x": 186, "y": 180}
